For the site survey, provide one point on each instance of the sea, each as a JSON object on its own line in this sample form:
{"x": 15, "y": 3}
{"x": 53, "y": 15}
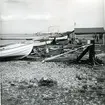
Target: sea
{"x": 6, "y": 39}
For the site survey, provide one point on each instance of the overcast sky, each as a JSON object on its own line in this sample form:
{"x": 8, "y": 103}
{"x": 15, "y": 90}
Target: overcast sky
{"x": 30, "y": 16}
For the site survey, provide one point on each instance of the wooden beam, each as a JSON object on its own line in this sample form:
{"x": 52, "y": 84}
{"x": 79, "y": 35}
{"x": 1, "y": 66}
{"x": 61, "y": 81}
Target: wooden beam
{"x": 53, "y": 57}
{"x": 83, "y": 53}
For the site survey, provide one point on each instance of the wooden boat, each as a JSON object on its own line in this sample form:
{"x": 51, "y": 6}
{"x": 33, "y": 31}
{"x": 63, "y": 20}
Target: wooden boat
{"x": 18, "y": 50}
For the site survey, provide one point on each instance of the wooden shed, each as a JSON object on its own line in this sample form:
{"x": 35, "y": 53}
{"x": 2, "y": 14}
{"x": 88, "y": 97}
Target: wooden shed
{"x": 91, "y": 33}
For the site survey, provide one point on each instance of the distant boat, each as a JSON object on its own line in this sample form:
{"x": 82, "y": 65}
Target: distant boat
{"x": 17, "y": 51}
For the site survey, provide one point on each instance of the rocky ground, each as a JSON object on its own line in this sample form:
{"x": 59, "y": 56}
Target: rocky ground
{"x": 72, "y": 84}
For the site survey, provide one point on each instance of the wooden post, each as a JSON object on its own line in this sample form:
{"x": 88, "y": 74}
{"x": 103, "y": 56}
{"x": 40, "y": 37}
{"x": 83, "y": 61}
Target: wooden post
{"x": 104, "y": 39}
{"x": 47, "y": 49}
{"x": 92, "y": 52}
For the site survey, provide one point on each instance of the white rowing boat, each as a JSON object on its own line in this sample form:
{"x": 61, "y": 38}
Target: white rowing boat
{"x": 18, "y": 50}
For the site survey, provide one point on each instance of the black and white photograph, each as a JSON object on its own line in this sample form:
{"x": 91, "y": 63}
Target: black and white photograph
{"x": 52, "y": 52}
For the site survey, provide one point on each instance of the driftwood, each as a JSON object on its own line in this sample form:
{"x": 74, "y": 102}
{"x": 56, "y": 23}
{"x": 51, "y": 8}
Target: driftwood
{"x": 71, "y": 51}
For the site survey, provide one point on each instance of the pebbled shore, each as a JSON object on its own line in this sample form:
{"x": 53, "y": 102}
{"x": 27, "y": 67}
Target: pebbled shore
{"x": 76, "y": 84}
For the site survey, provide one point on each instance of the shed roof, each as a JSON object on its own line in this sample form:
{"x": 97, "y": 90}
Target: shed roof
{"x": 68, "y": 32}
{"x": 99, "y": 30}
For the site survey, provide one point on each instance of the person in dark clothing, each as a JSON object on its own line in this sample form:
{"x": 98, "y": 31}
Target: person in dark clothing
{"x": 54, "y": 41}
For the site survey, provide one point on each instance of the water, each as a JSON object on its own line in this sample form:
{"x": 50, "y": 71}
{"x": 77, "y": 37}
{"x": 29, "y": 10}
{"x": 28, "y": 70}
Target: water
{"x": 11, "y": 38}
{"x": 15, "y": 38}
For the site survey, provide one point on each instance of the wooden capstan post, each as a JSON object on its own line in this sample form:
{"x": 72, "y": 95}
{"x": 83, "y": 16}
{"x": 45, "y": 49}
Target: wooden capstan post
{"x": 91, "y": 50}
